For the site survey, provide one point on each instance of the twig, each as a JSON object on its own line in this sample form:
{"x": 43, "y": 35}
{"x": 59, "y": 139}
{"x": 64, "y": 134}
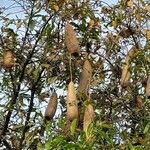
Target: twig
{"x": 12, "y": 81}
{"x": 70, "y": 67}
{"x": 8, "y": 146}
{"x": 33, "y": 90}
{"x": 15, "y": 96}
{"x": 26, "y": 33}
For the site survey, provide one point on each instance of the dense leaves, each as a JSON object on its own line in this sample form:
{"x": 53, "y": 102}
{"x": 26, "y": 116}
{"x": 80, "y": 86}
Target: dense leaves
{"x": 33, "y": 32}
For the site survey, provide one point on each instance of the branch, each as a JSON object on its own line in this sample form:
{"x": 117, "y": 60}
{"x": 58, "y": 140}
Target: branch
{"x": 12, "y": 81}
{"x": 30, "y": 18}
{"x": 8, "y": 146}
{"x": 15, "y": 96}
{"x": 27, "y": 119}
{"x": 33, "y": 90}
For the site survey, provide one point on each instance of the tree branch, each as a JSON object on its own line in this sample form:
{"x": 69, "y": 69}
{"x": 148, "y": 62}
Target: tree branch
{"x": 15, "y": 96}
{"x": 33, "y": 90}
{"x": 8, "y": 146}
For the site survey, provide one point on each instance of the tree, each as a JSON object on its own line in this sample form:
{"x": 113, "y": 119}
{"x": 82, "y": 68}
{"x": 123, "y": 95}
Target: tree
{"x": 111, "y": 66}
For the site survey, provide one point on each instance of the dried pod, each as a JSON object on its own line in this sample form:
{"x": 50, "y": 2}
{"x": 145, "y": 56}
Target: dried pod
{"x": 52, "y": 106}
{"x": 138, "y": 102}
{"x": 148, "y": 88}
{"x": 130, "y": 55}
{"x": 71, "y": 40}
{"x": 126, "y": 33}
{"x": 88, "y": 119}
{"x": 85, "y": 78}
{"x": 72, "y": 108}
{"x": 125, "y": 76}
{"x": 8, "y": 59}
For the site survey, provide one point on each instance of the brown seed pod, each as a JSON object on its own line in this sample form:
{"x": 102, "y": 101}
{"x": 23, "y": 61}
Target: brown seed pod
{"x": 8, "y": 59}
{"x": 148, "y": 87}
{"x": 85, "y": 78}
{"x": 71, "y": 40}
{"x": 88, "y": 119}
{"x": 138, "y": 102}
{"x": 72, "y": 108}
{"x": 126, "y": 33}
{"x": 125, "y": 76}
{"x": 52, "y": 106}
{"x": 130, "y": 55}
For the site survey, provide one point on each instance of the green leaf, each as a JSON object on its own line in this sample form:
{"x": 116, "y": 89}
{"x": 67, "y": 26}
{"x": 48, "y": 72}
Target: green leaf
{"x": 40, "y": 146}
{"x": 130, "y": 146}
{"x": 73, "y": 126}
{"x": 36, "y": 73}
{"x": 32, "y": 24}
{"x": 38, "y": 5}
{"x": 147, "y": 127}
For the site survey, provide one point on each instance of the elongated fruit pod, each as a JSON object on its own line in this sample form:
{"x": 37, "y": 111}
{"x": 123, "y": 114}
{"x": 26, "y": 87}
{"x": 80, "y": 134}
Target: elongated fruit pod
{"x": 125, "y": 76}
{"x": 148, "y": 87}
{"x": 8, "y": 59}
{"x": 72, "y": 108}
{"x": 88, "y": 119}
{"x": 71, "y": 40}
{"x": 85, "y": 78}
{"x": 138, "y": 102}
{"x": 130, "y": 55}
{"x": 52, "y": 106}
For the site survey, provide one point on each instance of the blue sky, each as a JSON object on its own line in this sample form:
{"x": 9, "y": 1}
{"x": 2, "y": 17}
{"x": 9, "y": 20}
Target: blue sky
{"x": 8, "y": 2}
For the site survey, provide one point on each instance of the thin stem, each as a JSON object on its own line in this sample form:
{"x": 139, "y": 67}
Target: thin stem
{"x": 8, "y": 146}
{"x": 89, "y": 84}
{"x": 70, "y": 67}
{"x": 15, "y": 96}
{"x": 33, "y": 90}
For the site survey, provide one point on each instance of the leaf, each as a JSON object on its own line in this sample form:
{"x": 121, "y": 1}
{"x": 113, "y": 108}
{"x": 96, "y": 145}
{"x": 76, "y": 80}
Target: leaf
{"x": 40, "y": 146}
{"x": 130, "y": 3}
{"x": 48, "y": 145}
{"x": 56, "y": 8}
{"x": 35, "y": 74}
{"x": 148, "y": 8}
{"x": 147, "y": 127}
{"x": 148, "y": 34}
{"x": 18, "y": 24}
{"x": 38, "y": 5}
{"x": 91, "y": 23}
{"x": 45, "y": 65}
{"x": 73, "y": 126}
{"x": 130, "y": 146}
{"x": 114, "y": 23}
{"x": 108, "y": 126}
{"x": 105, "y": 136}
{"x": 52, "y": 80}
{"x": 89, "y": 132}
{"x": 32, "y": 24}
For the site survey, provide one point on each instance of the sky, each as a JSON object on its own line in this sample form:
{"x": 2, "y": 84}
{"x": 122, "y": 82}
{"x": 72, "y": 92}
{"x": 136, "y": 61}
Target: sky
{"x": 7, "y": 2}
{"x": 14, "y": 10}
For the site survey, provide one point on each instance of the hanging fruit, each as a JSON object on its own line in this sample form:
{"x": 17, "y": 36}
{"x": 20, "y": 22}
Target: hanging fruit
{"x": 138, "y": 102}
{"x": 130, "y": 55}
{"x": 72, "y": 108}
{"x": 148, "y": 88}
{"x": 85, "y": 78}
{"x": 8, "y": 59}
{"x": 71, "y": 40}
{"x": 125, "y": 76}
{"x": 88, "y": 119}
{"x": 52, "y": 106}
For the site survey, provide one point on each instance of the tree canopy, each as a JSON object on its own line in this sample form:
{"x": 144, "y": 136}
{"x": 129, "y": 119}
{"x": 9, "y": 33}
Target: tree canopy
{"x": 75, "y": 75}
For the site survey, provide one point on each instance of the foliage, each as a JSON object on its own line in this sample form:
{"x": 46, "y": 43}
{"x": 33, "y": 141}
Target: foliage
{"x": 42, "y": 64}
